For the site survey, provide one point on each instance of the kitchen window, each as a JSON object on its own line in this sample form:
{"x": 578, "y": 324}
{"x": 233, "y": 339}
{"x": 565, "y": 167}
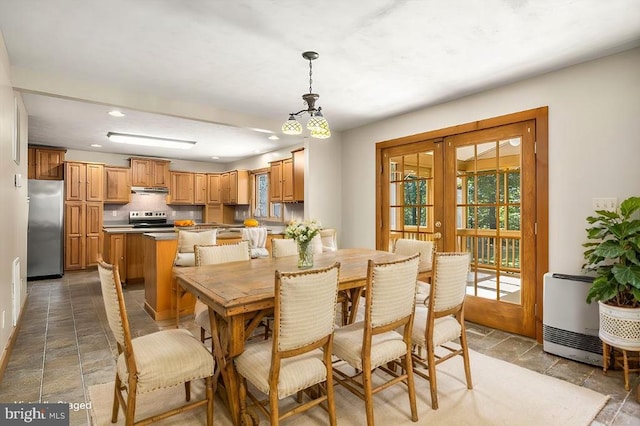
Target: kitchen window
{"x": 261, "y": 195}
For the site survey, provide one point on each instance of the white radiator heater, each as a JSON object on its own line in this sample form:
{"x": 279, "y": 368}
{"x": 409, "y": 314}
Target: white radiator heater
{"x": 569, "y": 324}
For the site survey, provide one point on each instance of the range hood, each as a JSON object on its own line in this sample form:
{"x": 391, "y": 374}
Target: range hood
{"x": 149, "y": 190}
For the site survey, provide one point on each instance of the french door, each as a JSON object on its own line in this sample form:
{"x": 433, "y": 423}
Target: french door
{"x": 473, "y": 192}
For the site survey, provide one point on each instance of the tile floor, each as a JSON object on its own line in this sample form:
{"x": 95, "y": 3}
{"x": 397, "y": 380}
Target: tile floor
{"x": 64, "y": 346}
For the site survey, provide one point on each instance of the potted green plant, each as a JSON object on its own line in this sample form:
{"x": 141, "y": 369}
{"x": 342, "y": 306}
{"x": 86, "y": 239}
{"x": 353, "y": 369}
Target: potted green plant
{"x": 613, "y": 255}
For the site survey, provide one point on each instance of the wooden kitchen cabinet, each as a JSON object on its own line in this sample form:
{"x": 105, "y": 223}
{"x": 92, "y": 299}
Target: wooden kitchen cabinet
{"x": 234, "y": 187}
{"x": 93, "y": 232}
{"x": 134, "y": 258}
{"x": 149, "y": 172}
{"x": 83, "y": 234}
{"x": 84, "y": 181}
{"x": 275, "y": 181}
{"x": 75, "y": 235}
{"x": 127, "y": 251}
{"x": 117, "y": 187}
{"x": 45, "y": 163}
{"x": 287, "y": 180}
{"x": 31, "y": 162}
{"x": 224, "y": 188}
{"x": 114, "y": 252}
{"x": 293, "y": 177}
{"x": 181, "y": 188}
{"x": 213, "y": 188}
{"x": 84, "y": 186}
{"x": 200, "y": 188}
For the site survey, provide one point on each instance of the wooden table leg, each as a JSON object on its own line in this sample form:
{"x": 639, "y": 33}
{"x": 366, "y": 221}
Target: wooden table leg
{"x": 354, "y": 296}
{"x": 225, "y": 367}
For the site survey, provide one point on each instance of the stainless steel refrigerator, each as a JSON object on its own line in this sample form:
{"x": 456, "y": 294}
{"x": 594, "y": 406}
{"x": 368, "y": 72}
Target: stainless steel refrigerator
{"x": 45, "y": 244}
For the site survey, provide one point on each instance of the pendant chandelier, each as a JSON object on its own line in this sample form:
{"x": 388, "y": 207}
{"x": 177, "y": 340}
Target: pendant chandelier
{"x": 317, "y": 124}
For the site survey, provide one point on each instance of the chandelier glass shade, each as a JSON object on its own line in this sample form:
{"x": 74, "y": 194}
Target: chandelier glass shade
{"x": 317, "y": 124}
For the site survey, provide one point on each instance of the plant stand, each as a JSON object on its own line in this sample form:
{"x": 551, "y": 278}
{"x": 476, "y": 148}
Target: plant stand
{"x": 620, "y": 332}
{"x": 621, "y": 358}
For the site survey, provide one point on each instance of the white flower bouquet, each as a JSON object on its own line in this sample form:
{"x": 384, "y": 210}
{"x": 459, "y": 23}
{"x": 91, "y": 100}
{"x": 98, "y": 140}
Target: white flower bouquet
{"x": 303, "y": 232}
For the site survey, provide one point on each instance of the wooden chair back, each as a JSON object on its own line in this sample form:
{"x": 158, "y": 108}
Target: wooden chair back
{"x": 281, "y": 247}
{"x": 212, "y": 255}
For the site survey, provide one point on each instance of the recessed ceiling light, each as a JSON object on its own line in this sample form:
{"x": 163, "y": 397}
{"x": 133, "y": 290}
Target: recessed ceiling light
{"x": 216, "y": 158}
{"x": 273, "y": 137}
{"x": 96, "y": 145}
{"x": 116, "y": 113}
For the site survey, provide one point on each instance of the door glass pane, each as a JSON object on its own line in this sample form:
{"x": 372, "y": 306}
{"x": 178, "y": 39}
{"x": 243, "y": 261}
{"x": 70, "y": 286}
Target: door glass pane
{"x": 488, "y": 217}
{"x": 411, "y": 196}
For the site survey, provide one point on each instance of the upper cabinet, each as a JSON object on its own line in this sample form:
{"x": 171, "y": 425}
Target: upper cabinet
{"x": 148, "y": 172}
{"x": 213, "y": 188}
{"x": 83, "y": 181}
{"x": 275, "y": 181}
{"x": 234, "y": 187}
{"x": 117, "y": 186}
{"x": 187, "y": 188}
{"x": 45, "y": 163}
{"x": 287, "y": 178}
{"x": 200, "y": 188}
{"x": 181, "y": 188}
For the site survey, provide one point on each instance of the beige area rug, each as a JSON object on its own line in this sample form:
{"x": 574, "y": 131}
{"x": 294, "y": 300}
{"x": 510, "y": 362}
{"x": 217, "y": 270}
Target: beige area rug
{"x": 503, "y": 394}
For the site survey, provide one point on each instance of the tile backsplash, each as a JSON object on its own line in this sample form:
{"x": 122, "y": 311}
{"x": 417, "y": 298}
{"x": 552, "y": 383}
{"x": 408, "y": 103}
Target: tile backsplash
{"x": 119, "y": 213}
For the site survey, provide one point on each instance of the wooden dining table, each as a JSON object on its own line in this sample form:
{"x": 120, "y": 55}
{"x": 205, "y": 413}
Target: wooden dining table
{"x": 240, "y": 294}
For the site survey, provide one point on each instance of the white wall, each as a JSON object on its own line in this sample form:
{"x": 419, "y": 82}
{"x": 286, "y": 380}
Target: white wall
{"x": 594, "y": 147}
{"x": 323, "y": 170}
{"x": 13, "y": 243}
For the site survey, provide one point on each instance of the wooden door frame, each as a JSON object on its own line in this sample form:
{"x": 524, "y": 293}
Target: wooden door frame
{"x": 540, "y": 116}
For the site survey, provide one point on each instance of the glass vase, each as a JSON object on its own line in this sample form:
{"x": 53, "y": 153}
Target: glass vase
{"x": 305, "y": 255}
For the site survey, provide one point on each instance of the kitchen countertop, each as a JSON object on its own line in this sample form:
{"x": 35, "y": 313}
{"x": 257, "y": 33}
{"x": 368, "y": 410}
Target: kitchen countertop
{"x": 223, "y": 229}
{"x": 158, "y": 236}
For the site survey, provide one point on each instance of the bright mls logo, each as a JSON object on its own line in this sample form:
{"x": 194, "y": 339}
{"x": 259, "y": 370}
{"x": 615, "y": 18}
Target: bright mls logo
{"x": 34, "y": 414}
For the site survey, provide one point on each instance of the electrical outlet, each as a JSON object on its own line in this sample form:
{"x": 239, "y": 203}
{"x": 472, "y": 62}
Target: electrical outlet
{"x": 173, "y": 213}
{"x": 114, "y": 213}
{"x": 609, "y": 204}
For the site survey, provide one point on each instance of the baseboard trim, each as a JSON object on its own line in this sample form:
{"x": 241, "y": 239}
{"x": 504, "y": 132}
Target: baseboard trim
{"x": 6, "y": 353}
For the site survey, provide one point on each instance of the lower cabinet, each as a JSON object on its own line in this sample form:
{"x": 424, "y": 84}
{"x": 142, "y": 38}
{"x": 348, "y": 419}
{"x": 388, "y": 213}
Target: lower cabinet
{"x": 83, "y": 234}
{"x": 125, "y": 251}
{"x": 114, "y": 251}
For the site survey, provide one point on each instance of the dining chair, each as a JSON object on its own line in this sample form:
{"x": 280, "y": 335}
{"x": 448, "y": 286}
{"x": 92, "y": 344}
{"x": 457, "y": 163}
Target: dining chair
{"x": 212, "y": 255}
{"x": 407, "y": 247}
{"x": 154, "y": 361}
{"x": 441, "y": 322}
{"x": 299, "y": 355}
{"x": 288, "y": 247}
{"x": 329, "y": 239}
{"x": 186, "y": 240}
{"x": 281, "y": 247}
{"x": 374, "y": 343}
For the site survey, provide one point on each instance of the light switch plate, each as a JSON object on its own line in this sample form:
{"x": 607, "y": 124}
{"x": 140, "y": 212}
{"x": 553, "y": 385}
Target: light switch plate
{"x": 609, "y": 204}
{"x": 17, "y": 180}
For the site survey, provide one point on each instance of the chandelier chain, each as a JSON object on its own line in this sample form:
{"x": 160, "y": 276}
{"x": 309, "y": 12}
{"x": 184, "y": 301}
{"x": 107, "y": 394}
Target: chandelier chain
{"x": 310, "y": 79}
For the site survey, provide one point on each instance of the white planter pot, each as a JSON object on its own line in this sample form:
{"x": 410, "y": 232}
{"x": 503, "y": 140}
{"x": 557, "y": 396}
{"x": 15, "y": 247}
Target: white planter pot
{"x": 620, "y": 327}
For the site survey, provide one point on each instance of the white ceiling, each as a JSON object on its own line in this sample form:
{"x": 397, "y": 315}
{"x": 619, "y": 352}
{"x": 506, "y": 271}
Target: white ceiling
{"x": 237, "y": 65}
